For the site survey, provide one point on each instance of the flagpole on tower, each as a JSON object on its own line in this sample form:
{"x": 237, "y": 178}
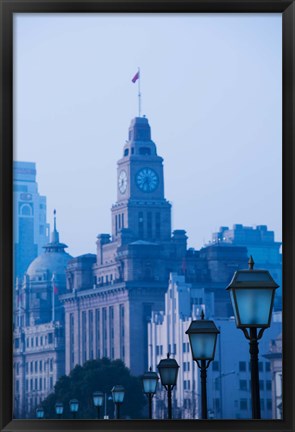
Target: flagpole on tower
{"x": 134, "y": 79}
{"x": 139, "y": 94}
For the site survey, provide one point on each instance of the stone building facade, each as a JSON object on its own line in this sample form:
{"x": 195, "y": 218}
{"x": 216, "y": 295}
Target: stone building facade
{"x": 111, "y": 296}
{"x": 38, "y": 337}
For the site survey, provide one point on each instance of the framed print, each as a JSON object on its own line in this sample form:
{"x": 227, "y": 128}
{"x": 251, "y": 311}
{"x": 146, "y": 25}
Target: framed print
{"x": 147, "y": 226}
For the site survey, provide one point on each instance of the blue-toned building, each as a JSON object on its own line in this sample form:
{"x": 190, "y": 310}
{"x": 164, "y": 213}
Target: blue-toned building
{"x": 135, "y": 297}
{"x": 31, "y": 230}
{"x": 261, "y": 244}
{"x": 39, "y": 337}
{"x": 228, "y": 376}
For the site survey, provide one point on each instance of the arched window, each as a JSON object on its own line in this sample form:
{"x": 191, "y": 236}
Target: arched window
{"x": 26, "y": 210}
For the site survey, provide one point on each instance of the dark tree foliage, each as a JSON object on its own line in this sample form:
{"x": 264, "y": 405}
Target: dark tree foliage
{"x": 97, "y": 375}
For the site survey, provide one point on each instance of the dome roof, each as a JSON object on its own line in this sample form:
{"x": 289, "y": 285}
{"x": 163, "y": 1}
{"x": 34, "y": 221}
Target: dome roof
{"x": 54, "y": 260}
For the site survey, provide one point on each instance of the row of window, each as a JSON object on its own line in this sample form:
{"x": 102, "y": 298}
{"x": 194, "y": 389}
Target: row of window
{"x": 96, "y": 326}
{"x": 34, "y": 366}
{"x": 264, "y": 385}
{"x": 263, "y": 366}
{"x": 246, "y": 404}
{"x": 38, "y": 366}
{"x": 148, "y": 230}
{"x": 105, "y": 279}
{"x": 119, "y": 222}
{"x": 142, "y": 150}
{"x": 34, "y": 384}
{"x": 34, "y": 342}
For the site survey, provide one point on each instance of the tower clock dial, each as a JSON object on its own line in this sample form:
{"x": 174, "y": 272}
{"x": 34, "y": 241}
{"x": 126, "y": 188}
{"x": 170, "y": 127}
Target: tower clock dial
{"x": 147, "y": 180}
{"x": 122, "y": 181}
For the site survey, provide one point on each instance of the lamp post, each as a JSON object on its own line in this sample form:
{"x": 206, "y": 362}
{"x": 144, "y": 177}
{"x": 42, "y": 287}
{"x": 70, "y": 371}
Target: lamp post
{"x": 74, "y": 406}
{"x": 202, "y": 336}
{"x": 252, "y": 295}
{"x": 150, "y": 380}
{"x": 98, "y": 398}
{"x": 59, "y": 409}
{"x": 40, "y": 413}
{"x": 118, "y": 393}
{"x": 168, "y": 370}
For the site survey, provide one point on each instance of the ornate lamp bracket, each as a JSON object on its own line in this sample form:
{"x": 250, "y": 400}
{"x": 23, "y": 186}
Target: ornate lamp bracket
{"x": 203, "y": 364}
{"x": 247, "y": 335}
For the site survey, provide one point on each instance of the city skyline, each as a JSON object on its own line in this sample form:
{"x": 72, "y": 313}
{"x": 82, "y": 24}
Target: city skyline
{"x": 75, "y": 132}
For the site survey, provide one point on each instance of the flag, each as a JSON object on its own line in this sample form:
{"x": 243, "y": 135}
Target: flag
{"x": 136, "y": 77}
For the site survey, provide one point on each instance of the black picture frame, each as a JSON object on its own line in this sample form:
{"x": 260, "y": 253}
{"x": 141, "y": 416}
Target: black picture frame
{"x": 8, "y": 8}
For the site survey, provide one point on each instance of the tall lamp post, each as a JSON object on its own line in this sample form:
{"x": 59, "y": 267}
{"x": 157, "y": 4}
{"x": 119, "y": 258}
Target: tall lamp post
{"x": 168, "y": 370}
{"x": 74, "y": 406}
{"x": 150, "y": 380}
{"x": 59, "y": 409}
{"x": 98, "y": 398}
{"x": 40, "y": 413}
{"x": 202, "y": 336}
{"x": 118, "y": 393}
{"x": 252, "y": 295}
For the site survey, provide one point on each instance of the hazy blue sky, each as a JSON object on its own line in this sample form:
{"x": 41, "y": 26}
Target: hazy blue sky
{"x": 211, "y": 89}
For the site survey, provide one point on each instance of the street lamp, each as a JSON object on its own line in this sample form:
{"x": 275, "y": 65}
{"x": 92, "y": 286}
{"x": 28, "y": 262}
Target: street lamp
{"x": 252, "y": 295}
{"x": 150, "y": 380}
{"x": 74, "y": 406}
{"x": 98, "y": 398}
{"x": 59, "y": 409}
{"x": 202, "y": 336}
{"x": 40, "y": 413}
{"x": 118, "y": 393}
{"x": 168, "y": 370}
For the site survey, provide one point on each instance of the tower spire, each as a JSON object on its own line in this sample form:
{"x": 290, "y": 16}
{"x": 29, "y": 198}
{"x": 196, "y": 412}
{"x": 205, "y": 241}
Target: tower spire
{"x": 55, "y": 235}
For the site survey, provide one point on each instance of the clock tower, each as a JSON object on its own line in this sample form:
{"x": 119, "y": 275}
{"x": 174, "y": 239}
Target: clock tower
{"x": 141, "y": 206}
{"x": 132, "y": 266}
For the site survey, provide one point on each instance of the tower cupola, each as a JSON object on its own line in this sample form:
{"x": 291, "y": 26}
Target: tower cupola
{"x": 139, "y": 129}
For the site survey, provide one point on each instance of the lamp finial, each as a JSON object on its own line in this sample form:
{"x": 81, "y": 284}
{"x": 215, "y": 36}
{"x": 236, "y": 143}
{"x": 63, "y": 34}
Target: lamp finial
{"x": 251, "y": 263}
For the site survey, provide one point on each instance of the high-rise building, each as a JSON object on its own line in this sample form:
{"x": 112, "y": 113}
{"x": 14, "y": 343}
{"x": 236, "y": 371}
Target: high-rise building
{"x": 31, "y": 230}
{"x": 260, "y": 243}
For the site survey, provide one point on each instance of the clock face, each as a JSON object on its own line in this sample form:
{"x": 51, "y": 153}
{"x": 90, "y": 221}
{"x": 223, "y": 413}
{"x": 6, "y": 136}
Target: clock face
{"x": 147, "y": 180}
{"x": 122, "y": 181}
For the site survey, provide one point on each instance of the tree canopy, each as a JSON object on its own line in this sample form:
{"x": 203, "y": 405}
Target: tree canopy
{"x": 96, "y": 375}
